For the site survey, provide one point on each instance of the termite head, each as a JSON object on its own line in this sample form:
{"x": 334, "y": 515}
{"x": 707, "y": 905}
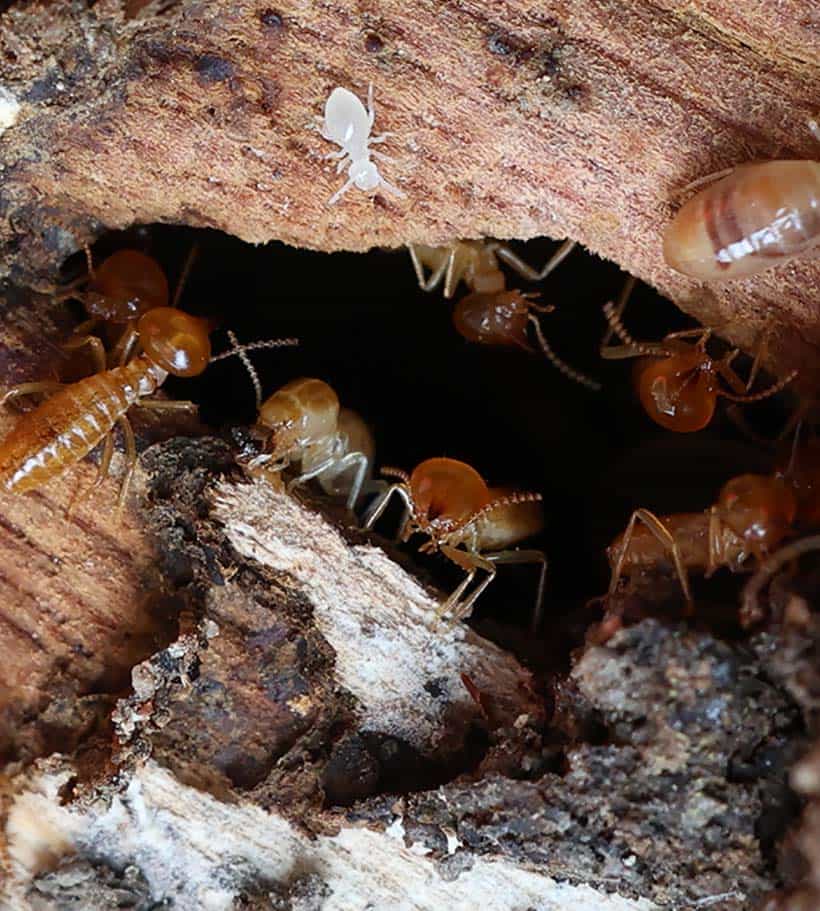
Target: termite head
{"x": 364, "y": 174}
{"x": 678, "y": 392}
{"x": 445, "y": 493}
{"x": 175, "y": 341}
{"x": 494, "y": 319}
{"x": 125, "y": 286}
{"x": 758, "y": 508}
{"x": 302, "y": 412}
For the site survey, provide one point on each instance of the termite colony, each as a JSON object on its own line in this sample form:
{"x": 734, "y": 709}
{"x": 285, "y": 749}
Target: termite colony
{"x": 538, "y": 437}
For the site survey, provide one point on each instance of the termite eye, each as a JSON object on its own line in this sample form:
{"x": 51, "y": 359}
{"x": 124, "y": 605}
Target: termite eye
{"x": 175, "y": 341}
{"x": 758, "y": 508}
{"x": 126, "y": 285}
{"x": 447, "y": 489}
{"x": 492, "y": 319}
{"x": 676, "y": 393}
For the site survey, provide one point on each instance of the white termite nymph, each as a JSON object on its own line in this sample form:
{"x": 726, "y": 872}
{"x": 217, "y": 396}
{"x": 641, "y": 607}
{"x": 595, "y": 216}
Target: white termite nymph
{"x": 348, "y": 124}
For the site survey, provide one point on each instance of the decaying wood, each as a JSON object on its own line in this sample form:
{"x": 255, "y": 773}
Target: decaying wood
{"x": 255, "y": 707}
{"x": 581, "y": 119}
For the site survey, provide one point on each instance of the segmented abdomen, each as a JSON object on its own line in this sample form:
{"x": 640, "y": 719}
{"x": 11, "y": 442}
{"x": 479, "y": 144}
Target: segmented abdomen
{"x": 67, "y": 426}
{"x": 746, "y": 222}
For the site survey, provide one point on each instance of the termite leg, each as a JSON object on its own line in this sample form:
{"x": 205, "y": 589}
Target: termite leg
{"x": 126, "y": 345}
{"x": 391, "y": 188}
{"x": 332, "y": 155}
{"x": 360, "y": 460}
{"x": 381, "y": 156}
{"x": 426, "y": 284}
{"x": 450, "y": 279}
{"x": 130, "y": 459}
{"x": 102, "y": 474}
{"x": 471, "y": 562}
{"x": 33, "y": 388}
{"x": 378, "y": 506}
{"x": 662, "y": 534}
{"x": 702, "y": 335}
{"x": 708, "y": 178}
{"x": 525, "y": 270}
{"x": 340, "y": 193}
{"x": 750, "y": 611}
{"x": 95, "y": 344}
{"x": 527, "y": 556}
{"x": 166, "y": 405}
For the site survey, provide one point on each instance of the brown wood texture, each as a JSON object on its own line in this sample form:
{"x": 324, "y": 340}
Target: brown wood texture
{"x": 581, "y": 119}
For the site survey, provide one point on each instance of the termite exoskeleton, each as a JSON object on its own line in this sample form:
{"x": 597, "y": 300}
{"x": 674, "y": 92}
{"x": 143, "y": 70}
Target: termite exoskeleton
{"x": 752, "y": 516}
{"x": 476, "y": 263}
{"x": 678, "y": 381}
{"x": 756, "y": 216}
{"x": 78, "y": 416}
{"x": 468, "y": 522}
{"x": 305, "y": 427}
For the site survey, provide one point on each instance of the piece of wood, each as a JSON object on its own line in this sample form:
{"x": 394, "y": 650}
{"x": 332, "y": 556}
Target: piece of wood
{"x": 580, "y": 119}
{"x": 629, "y": 824}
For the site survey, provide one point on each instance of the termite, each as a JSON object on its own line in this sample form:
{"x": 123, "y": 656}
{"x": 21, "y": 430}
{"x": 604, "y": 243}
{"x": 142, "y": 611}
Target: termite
{"x": 753, "y": 514}
{"x": 470, "y": 523}
{"x": 305, "y": 426}
{"x": 756, "y": 216}
{"x": 476, "y": 263}
{"x": 750, "y": 610}
{"x": 678, "y": 381}
{"x": 490, "y": 314}
{"x": 78, "y": 416}
{"x": 503, "y": 319}
{"x": 348, "y": 124}
{"x": 118, "y": 292}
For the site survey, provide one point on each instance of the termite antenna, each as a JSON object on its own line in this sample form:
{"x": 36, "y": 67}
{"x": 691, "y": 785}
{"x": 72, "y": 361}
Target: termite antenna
{"x": 620, "y": 306}
{"x": 390, "y": 472}
{"x": 190, "y": 259}
{"x": 766, "y": 393}
{"x": 242, "y": 354}
{"x": 750, "y": 611}
{"x": 559, "y": 364}
{"x": 631, "y": 347}
{"x": 512, "y": 499}
{"x": 241, "y": 351}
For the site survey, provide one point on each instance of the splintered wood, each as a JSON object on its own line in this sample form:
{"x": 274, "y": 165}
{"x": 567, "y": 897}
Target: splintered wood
{"x": 581, "y": 120}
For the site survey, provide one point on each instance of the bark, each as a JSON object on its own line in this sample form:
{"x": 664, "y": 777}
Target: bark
{"x": 581, "y": 119}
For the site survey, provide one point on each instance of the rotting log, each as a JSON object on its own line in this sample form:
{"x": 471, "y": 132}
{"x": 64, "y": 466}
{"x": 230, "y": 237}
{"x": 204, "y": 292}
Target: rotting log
{"x": 225, "y": 665}
{"x": 581, "y": 119}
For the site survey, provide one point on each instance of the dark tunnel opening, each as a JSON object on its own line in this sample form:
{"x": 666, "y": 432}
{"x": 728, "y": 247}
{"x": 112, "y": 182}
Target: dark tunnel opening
{"x": 391, "y": 352}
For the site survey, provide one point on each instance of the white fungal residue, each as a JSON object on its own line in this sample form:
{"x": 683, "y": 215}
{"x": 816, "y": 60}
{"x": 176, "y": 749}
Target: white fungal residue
{"x": 201, "y": 854}
{"x": 9, "y": 109}
{"x": 391, "y": 653}
{"x": 348, "y": 124}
